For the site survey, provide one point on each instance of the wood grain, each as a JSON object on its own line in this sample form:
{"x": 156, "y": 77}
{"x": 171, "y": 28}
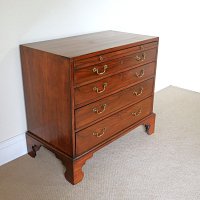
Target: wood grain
{"x": 85, "y": 115}
{"x": 87, "y": 74}
{"x": 86, "y": 94}
{"x": 88, "y": 45}
{"x": 150, "y": 119}
{"x": 46, "y": 79}
{"x": 97, "y": 59}
{"x": 111, "y": 125}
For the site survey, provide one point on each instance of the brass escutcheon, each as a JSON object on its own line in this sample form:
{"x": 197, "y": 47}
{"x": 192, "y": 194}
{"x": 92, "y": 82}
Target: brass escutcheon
{"x": 100, "y": 58}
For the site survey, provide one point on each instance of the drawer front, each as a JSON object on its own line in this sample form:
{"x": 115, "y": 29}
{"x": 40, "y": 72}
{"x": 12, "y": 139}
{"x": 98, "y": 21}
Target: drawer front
{"x": 113, "y": 55}
{"x": 95, "y": 72}
{"x": 98, "y": 89}
{"x": 101, "y": 131}
{"x": 103, "y": 107}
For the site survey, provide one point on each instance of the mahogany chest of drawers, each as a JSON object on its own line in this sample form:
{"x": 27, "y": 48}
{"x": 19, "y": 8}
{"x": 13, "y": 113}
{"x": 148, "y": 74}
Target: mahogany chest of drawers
{"x": 83, "y": 92}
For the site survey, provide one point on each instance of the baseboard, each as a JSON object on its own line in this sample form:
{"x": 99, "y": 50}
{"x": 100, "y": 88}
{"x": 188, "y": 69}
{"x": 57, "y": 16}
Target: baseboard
{"x": 12, "y": 148}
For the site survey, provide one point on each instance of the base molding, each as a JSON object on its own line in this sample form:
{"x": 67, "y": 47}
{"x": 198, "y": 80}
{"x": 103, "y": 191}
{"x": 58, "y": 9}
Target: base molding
{"x": 73, "y": 173}
{"x": 12, "y": 148}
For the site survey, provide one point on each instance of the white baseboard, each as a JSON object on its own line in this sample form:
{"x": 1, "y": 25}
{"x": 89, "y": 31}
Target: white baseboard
{"x": 12, "y": 148}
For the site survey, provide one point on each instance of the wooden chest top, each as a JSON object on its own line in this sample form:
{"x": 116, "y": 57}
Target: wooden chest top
{"x": 80, "y": 46}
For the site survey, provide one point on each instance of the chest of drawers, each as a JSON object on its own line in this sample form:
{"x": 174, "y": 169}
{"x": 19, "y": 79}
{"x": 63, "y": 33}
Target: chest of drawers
{"x": 83, "y": 92}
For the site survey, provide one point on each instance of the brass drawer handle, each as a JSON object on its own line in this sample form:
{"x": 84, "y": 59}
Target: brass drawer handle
{"x": 95, "y": 110}
{"x": 141, "y": 58}
{"x": 97, "y": 70}
{"x": 101, "y": 133}
{"x": 136, "y": 93}
{"x": 137, "y": 113}
{"x": 100, "y": 91}
{"x": 141, "y": 74}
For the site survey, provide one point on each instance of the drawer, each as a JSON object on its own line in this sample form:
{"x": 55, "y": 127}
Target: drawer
{"x": 103, "y": 130}
{"x": 105, "y": 106}
{"x": 95, "y": 72}
{"x": 113, "y": 55}
{"x": 105, "y": 86}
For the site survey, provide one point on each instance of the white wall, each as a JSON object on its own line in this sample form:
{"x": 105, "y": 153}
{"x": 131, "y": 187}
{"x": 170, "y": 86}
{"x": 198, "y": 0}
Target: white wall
{"x": 22, "y": 21}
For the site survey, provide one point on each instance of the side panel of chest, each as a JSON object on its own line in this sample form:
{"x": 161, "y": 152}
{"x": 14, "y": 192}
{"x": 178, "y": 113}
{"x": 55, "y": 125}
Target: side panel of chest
{"x": 47, "y": 84}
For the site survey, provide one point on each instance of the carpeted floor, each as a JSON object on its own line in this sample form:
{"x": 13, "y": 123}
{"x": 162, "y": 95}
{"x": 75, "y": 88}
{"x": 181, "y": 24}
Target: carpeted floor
{"x": 164, "y": 166}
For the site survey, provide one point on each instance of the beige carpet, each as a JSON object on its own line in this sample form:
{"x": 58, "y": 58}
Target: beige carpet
{"x": 164, "y": 166}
